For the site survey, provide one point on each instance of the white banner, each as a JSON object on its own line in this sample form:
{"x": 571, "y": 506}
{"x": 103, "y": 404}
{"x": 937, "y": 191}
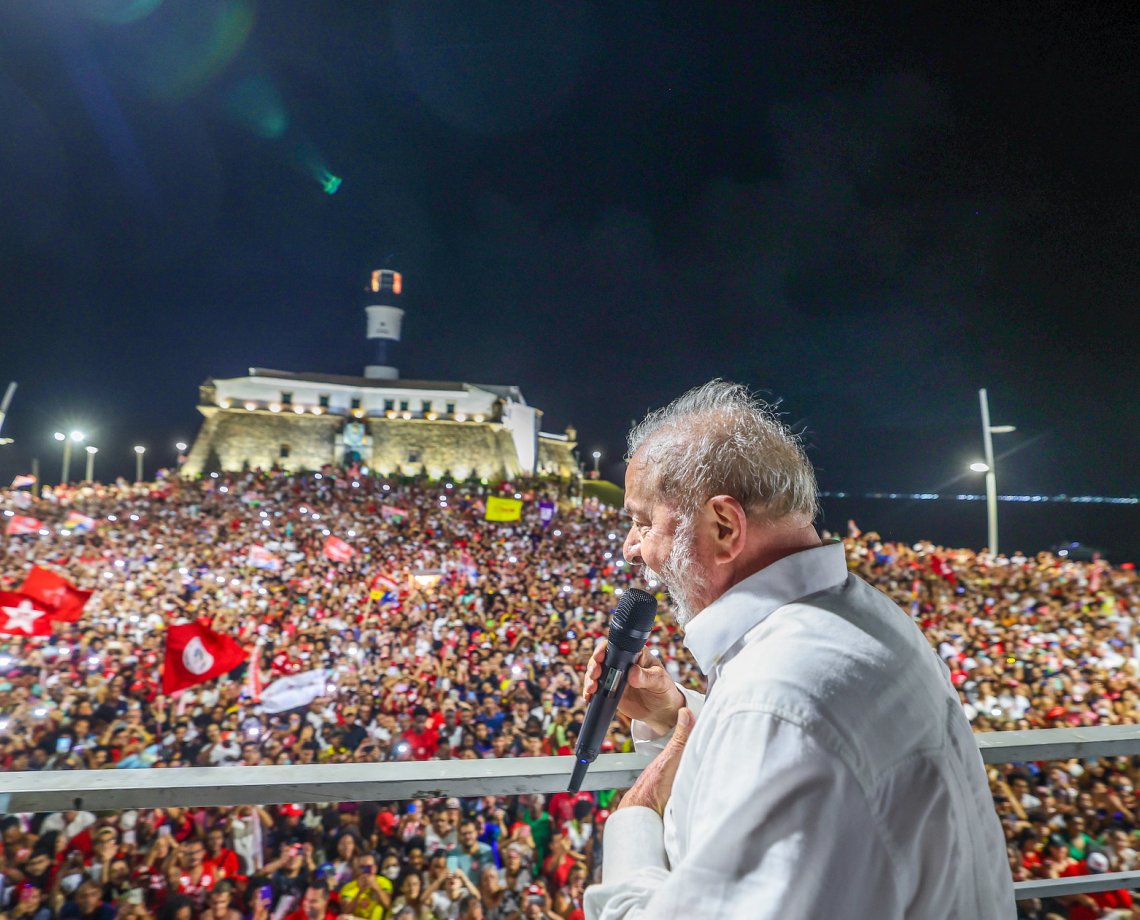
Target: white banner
{"x": 293, "y": 691}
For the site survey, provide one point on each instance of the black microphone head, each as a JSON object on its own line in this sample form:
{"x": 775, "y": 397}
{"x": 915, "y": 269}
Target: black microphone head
{"x": 632, "y": 621}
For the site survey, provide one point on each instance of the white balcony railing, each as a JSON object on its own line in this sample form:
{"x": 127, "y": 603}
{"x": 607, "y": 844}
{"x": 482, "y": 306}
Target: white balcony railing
{"x": 111, "y": 790}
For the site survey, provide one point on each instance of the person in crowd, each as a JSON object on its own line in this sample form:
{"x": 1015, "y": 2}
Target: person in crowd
{"x": 412, "y": 898}
{"x": 220, "y": 903}
{"x": 472, "y": 855}
{"x": 314, "y": 904}
{"x": 88, "y": 904}
{"x": 368, "y": 895}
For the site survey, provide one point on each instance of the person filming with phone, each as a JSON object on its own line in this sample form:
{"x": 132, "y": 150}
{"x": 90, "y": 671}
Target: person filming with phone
{"x": 368, "y": 895}
{"x": 829, "y": 771}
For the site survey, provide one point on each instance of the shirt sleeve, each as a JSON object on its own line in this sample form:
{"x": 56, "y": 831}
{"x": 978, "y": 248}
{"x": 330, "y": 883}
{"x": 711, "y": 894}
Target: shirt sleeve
{"x": 647, "y": 741}
{"x": 774, "y": 826}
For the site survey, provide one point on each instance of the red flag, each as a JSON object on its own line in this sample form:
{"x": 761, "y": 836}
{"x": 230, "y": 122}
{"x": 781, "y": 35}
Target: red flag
{"x": 21, "y": 615}
{"x": 55, "y": 591}
{"x": 19, "y": 523}
{"x": 337, "y": 550}
{"x": 196, "y": 654}
{"x": 942, "y": 569}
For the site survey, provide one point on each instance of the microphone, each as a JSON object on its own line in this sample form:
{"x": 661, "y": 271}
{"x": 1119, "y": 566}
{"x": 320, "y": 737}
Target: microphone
{"x": 630, "y": 626}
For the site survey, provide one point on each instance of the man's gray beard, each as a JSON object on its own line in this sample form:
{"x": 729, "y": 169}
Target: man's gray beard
{"x": 679, "y": 575}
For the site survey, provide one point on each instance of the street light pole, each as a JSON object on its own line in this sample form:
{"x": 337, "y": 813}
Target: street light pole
{"x": 597, "y": 457}
{"x": 76, "y": 437}
{"x": 988, "y": 431}
{"x": 60, "y": 436}
{"x": 91, "y": 452}
{"x": 139, "y": 451}
{"x": 991, "y": 474}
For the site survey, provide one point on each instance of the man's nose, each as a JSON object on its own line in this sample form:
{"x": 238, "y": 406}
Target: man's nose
{"x": 631, "y": 549}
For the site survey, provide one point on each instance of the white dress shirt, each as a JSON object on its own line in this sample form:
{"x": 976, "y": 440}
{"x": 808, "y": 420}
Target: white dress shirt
{"x": 831, "y": 772}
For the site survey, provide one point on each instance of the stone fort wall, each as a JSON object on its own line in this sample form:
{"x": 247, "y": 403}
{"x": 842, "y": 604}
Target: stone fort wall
{"x": 236, "y": 439}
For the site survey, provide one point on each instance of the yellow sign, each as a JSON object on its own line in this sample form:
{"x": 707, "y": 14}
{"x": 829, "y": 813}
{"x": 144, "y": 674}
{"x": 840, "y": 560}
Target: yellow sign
{"x": 503, "y": 509}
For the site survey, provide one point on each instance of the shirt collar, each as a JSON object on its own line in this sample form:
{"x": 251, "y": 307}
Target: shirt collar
{"x": 710, "y": 635}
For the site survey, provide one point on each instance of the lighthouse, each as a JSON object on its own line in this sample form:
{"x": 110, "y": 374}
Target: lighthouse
{"x": 384, "y": 319}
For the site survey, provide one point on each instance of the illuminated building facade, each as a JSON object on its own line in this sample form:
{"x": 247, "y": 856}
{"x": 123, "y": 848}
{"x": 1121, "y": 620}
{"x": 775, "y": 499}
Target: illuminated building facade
{"x": 304, "y": 421}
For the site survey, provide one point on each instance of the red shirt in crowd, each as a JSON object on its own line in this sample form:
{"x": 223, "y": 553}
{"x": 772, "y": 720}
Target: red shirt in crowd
{"x": 224, "y": 865}
{"x": 562, "y": 804}
{"x": 1105, "y": 900}
{"x": 423, "y": 745}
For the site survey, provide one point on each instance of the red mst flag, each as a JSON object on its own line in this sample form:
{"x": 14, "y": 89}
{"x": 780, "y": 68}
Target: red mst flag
{"x": 196, "y": 654}
{"x": 20, "y": 523}
{"x": 21, "y": 615}
{"x": 337, "y": 550}
{"x": 55, "y": 591}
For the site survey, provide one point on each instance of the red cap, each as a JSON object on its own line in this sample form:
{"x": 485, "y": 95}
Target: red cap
{"x": 292, "y": 811}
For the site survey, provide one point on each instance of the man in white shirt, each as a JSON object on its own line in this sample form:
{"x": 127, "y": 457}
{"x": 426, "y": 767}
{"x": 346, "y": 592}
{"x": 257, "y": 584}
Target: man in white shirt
{"x": 830, "y": 771}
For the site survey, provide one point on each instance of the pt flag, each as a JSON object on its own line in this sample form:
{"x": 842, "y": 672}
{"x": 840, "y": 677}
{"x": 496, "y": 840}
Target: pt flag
{"x": 392, "y": 513}
{"x": 337, "y": 550}
{"x": 503, "y": 509}
{"x": 195, "y": 654}
{"x": 57, "y": 592}
{"x": 19, "y": 523}
{"x": 21, "y": 615}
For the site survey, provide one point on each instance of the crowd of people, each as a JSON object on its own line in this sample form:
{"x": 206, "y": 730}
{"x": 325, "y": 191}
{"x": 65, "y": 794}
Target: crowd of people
{"x": 447, "y": 636}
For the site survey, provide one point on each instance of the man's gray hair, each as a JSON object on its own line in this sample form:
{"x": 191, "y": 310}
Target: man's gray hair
{"x": 721, "y": 439}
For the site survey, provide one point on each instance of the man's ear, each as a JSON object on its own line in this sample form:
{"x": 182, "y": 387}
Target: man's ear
{"x": 731, "y": 526}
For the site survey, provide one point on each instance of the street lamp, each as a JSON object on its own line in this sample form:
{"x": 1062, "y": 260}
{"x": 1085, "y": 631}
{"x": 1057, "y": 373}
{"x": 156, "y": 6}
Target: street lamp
{"x": 180, "y": 447}
{"x": 91, "y": 452}
{"x": 139, "y": 451}
{"x": 76, "y": 437}
{"x": 989, "y": 468}
{"x": 597, "y": 456}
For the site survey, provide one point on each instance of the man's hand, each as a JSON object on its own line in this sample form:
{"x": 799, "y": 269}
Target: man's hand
{"x": 655, "y": 784}
{"x": 650, "y": 696}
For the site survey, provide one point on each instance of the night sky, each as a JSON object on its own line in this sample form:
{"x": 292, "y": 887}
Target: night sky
{"x": 864, "y": 213}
